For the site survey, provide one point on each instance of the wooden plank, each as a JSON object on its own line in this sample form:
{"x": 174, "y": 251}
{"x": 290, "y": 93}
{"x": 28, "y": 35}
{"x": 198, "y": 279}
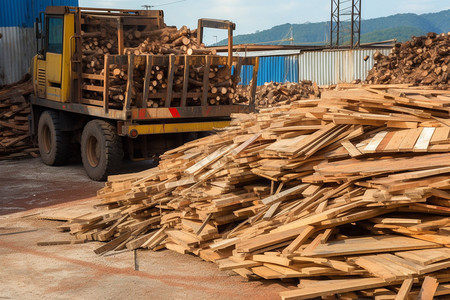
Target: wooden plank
{"x": 227, "y": 264}
{"x": 244, "y": 145}
{"x": 426, "y": 257}
{"x": 351, "y": 149}
{"x": 61, "y": 242}
{"x": 224, "y": 243}
{"x": 395, "y": 141}
{"x": 428, "y": 288}
{"x": 295, "y": 148}
{"x": 385, "y": 141}
{"x": 147, "y": 78}
{"x": 106, "y": 84}
{"x": 300, "y": 240}
{"x": 396, "y": 260}
{"x": 112, "y": 244}
{"x": 185, "y": 80}
{"x": 389, "y": 165}
{"x": 440, "y": 134}
{"x": 424, "y": 139}
{"x": 94, "y": 88}
{"x": 381, "y": 267}
{"x": 93, "y": 76}
{"x": 266, "y": 273}
{"x": 171, "y": 71}
{"x": 404, "y": 289}
{"x": 278, "y": 260}
{"x": 410, "y": 140}
{"x": 128, "y": 92}
{"x": 376, "y": 244}
{"x": 254, "y": 82}
{"x": 376, "y": 140}
{"x": 335, "y": 264}
{"x": 210, "y": 159}
{"x": 283, "y": 195}
{"x": 266, "y": 240}
{"x": 330, "y": 288}
{"x": 285, "y": 271}
{"x": 206, "y": 81}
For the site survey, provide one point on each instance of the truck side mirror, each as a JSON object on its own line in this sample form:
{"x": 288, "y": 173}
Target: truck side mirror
{"x": 37, "y": 26}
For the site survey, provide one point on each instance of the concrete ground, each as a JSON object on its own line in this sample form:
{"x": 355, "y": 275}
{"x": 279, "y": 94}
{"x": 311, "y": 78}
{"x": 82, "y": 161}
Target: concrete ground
{"x": 27, "y": 271}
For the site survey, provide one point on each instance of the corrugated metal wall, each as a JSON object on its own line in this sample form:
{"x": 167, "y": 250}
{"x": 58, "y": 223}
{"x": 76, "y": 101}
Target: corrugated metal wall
{"x": 273, "y": 68}
{"x": 17, "y": 47}
{"x": 323, "y": 67}
{"x": 18, "y": 42}
{"x": 331, "y": 67}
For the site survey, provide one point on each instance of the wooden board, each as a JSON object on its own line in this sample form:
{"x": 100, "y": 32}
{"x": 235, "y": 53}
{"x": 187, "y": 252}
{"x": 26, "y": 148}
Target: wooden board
{"x": 376, "y": 244}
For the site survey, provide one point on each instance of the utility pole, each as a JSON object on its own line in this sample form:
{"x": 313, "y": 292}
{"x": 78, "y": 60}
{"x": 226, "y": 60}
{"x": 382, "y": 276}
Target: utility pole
{"x": 345, "y": 23}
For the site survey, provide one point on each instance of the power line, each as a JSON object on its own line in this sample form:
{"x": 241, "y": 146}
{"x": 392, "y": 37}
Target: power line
{"x": 147, "y": 7}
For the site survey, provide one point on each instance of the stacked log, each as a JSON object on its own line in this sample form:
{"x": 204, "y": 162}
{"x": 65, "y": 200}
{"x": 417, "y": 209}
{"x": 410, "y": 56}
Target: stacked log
{"x": 100, "y": 38}
{"x": 15, "y": 141}
{"x": 169, "y": 40}
{"x": 423, "y": 60}
{"x": 347, "y": 193}
{"x": 274, "y": 93}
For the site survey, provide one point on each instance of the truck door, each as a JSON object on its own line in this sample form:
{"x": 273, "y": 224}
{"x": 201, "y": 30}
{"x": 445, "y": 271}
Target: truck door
{"x": 52, "y": 66}
{"x": 53, "y": 56}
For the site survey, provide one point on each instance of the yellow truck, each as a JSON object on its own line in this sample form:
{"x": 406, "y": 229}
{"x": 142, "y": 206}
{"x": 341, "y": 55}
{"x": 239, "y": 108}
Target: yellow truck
{"x": 73, "y": 105}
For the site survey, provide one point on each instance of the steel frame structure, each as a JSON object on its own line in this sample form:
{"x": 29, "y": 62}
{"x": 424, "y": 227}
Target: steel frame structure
{"x": 345, "y": 27}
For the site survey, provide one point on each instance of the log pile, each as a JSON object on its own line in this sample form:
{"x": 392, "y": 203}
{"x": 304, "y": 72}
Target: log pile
{"x": 15, "y": 139}
{"x": 275, "y": 94}
{"x": 348, "y": 193}
{"x": 423, "y": 60}
{"x": 100, "y": 38}
{"x": 169, "y": 40}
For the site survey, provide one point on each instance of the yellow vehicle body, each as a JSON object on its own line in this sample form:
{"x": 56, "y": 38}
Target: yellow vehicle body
{"x": 73, "y": 104}
{"x": 52, "y": 74}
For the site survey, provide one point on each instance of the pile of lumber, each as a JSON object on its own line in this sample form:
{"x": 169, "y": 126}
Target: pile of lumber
{"x": 15, "y": 139}
{"x": 275, "y": 94}
{"x": 423, "y": 60}
{"x": 349, "y": 193}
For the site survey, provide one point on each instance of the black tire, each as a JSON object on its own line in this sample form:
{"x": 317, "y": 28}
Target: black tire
{"x": 54, "y": 144}
{"x": 101, "y": 149}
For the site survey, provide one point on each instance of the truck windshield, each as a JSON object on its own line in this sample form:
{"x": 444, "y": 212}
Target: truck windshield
{"x": 55, "y": 35}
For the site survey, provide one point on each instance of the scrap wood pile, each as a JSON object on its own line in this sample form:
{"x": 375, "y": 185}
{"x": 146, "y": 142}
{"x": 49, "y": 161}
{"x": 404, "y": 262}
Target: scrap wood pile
{"x": 275, "y": 94}
{"x": 423, "y": 60}
{"x": 15, "y": 139}
{"x": 349, "y": 194}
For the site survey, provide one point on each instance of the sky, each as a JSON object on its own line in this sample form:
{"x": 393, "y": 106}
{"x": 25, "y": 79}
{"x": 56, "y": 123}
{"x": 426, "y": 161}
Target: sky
{"x": 257, "y": 15}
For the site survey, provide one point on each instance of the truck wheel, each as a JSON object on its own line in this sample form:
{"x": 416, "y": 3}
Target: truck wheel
{"x": 101, "y": 149}
{"x": 54, "y": 145}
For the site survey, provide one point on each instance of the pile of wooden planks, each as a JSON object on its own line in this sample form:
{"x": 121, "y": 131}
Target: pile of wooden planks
{"x": 350, "y": 194}
{"x": 15, "y": 139}
{"x": 423, "y": 60}
{"x": 274, "y": 93}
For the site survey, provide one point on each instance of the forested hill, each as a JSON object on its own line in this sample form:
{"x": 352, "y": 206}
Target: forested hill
{"x": 400, "y": 27}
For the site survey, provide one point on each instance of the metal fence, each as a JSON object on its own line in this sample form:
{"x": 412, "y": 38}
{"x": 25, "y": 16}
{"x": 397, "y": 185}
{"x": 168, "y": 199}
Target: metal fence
{"x": 323, "y": 67}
